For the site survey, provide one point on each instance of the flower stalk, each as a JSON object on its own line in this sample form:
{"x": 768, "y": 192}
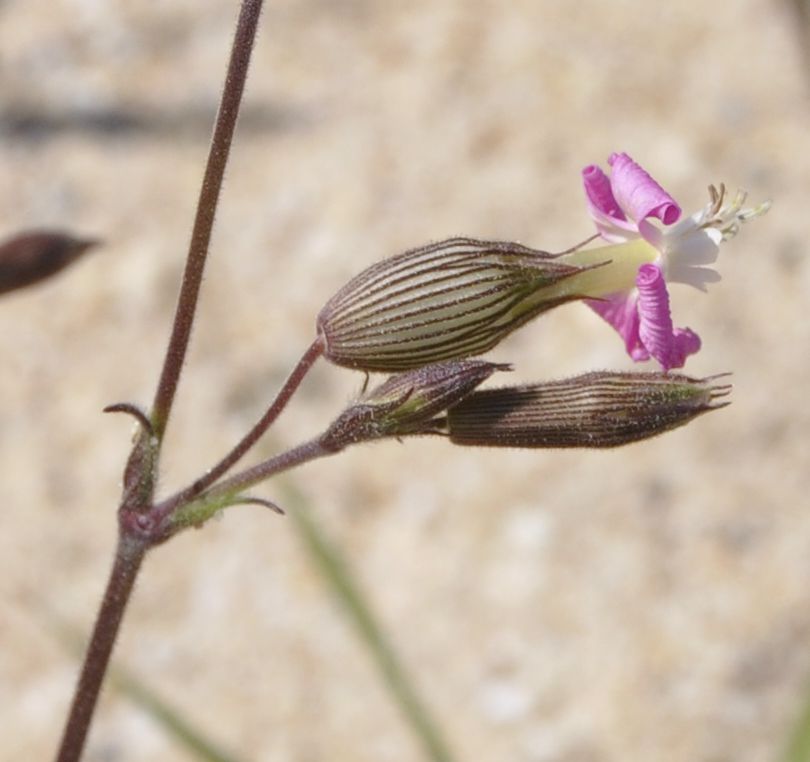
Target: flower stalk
{"x": 207, "y": 203}
{"x": 174, "y": 518}
{"x": 243, "y": 446}
{"x": 126, "y": 565}
{"x": 135, "y": 523}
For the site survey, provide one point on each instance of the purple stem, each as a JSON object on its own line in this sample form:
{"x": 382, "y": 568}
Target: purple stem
{"x": 128, "y": 558}
{"x": 279, "y": 403}
{"x": 206, "y": 211}
{"x": 284, "y": 461}
{"x": 132, "y": 549}
{"x": 303, "y": 453}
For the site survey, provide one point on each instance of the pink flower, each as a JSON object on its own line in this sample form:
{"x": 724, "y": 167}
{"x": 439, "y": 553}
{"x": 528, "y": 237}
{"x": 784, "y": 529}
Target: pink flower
{"x": 623, "y": 206}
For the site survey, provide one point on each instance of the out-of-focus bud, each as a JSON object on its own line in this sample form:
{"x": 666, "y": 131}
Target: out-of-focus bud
{"x": 31, "y": 257}
{"x": 453, "y": 299}
{"x": 408, "y": 403}
{"x": 593, "y": 410}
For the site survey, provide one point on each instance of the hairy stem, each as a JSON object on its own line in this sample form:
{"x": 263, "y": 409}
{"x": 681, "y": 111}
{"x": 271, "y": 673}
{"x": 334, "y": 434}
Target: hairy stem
{"x": 279, "y": 403}
{"x": 206, "y": 211}
{"x": 130, "y": 552}
{"x": 233, "y": 486}
{"x": 283, "y": 462}
{"x": 128, "y": 558}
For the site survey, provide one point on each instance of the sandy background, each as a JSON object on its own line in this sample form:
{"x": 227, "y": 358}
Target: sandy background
{"x": 651, "y": 603}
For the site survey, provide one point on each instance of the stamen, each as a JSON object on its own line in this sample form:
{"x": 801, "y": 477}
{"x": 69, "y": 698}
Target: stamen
{"x": 716, "y": 199}
{"x": 727, "y": 218}
{"x": 748, "y": 214}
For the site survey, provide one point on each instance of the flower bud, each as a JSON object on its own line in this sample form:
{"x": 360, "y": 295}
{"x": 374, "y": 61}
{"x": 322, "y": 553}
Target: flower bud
{"x": 452, "y": 299}
{"x": 600, "y": 409}
{"x": 33, "y": 256}
{"x": 408, "y": 403}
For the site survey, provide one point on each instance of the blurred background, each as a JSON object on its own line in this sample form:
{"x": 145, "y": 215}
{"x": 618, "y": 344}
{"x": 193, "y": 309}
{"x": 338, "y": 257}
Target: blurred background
{"x": 647, "y": 603}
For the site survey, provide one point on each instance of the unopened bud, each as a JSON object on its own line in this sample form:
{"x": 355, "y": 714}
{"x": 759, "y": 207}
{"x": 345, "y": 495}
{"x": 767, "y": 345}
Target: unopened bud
{"x": 408, "y": 403}
{"x": 593, "y": 410}
{"x": 453, "y": 299}
{"x": 30, "y": 257}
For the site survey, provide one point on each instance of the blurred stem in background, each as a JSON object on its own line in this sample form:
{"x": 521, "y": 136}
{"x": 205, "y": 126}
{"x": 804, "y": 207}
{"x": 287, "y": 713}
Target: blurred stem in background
{"x": 176, "y": 726}
{"x": 330, "y": 564}
{"x": 801, "y": 13}
{"x": 798, "y": 748}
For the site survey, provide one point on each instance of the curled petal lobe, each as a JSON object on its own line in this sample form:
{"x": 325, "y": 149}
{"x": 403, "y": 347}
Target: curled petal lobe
{"x": 668, "y": 346}
{"x": 599, "y": 193}
{"x": 607, "y": 215}
{"x": 685, "y": 342}
{"x": 638, "y": 194}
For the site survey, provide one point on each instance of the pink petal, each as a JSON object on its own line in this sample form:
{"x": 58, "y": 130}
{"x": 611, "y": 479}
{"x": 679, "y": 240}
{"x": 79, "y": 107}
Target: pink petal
{"x": 605, "y": 211}
{"x": 621, "y": 311}
{"x": 638, "y": 194}
{"x": 668, "y": 346}
{"x": 600, "y": 196}
{"x": 686, "y": 342}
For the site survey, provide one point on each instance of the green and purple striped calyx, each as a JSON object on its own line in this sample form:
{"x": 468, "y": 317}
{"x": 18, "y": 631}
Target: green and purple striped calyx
{"x": 453, "y": 299}
{"x": 408, "y": 403}
{"x": 601, "y": 409}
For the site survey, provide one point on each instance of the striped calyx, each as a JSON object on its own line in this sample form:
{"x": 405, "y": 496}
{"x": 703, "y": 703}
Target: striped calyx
{"x": 600, "y": 409}
{"x": 408, "y": 403}
{"x": 452, "y": 299}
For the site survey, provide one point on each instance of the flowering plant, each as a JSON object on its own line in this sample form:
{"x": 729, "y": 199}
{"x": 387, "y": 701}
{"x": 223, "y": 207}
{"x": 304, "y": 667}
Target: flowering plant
{"x": 420, "y": 316}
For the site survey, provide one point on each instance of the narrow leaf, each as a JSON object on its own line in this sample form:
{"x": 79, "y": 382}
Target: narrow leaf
{"x": 331, "y": 565}
{"x": 176, "y": 726}
{"x": 798, "y": 747}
